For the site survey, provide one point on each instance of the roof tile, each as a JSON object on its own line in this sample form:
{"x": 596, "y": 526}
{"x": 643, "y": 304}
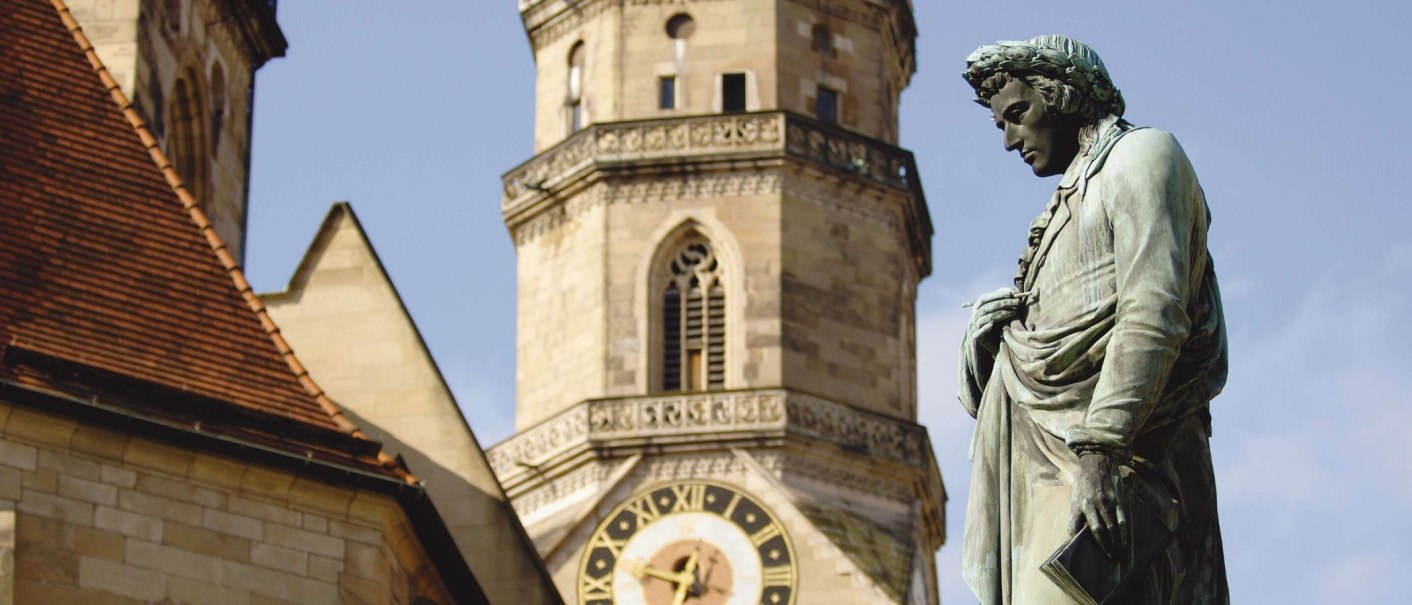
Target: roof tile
{"x": 105, "y": 260}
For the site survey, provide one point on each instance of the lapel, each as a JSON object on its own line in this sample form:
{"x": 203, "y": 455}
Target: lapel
{"x": 1063, "y": 211}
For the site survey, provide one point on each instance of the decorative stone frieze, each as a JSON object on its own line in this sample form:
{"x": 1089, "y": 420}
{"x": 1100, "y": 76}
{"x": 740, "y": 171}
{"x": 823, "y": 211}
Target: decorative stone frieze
{"x": 769, "y": 134}
{"x": 708, "y": 418}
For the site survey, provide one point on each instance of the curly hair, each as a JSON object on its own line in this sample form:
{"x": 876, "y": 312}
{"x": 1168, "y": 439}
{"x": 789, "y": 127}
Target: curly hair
{"x": 1059, "y": 98}
{"x": 1067, "y": 73}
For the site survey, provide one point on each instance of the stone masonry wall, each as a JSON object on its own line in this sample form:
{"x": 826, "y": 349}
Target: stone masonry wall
{"x": 855, "y": 64}
{"x": 848, "y": 289}
{"x": 628, "y": 49}
{"x": 104, "y": 517}
{"x": 561, "y": 317}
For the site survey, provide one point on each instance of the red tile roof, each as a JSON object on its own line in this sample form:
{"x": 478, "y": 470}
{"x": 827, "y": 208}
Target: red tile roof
{"x": 109, "y": 264}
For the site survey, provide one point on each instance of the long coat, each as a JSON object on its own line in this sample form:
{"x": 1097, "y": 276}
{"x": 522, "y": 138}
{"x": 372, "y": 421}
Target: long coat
{"x": 1120, "y": 345}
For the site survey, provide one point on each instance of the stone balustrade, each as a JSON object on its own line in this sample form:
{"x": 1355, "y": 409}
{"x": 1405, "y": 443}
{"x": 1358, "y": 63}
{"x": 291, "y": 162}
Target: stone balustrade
{"x": 710, "y": 417}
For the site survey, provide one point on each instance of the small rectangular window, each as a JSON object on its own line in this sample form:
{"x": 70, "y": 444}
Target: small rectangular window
{"x": 826, "y": 105}
{"x": 732, "y": 93}
{"x": 667, "y": 92}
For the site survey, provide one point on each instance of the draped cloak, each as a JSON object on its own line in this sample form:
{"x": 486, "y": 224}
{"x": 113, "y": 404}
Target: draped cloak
{"x": 1120, "y": 345}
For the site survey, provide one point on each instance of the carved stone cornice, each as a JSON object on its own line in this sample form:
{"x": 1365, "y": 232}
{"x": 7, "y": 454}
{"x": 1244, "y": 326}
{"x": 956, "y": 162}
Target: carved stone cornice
{"x": 705, "y": 420}
{"x": 549, "y": 20}
{"x": 650, "y": 149}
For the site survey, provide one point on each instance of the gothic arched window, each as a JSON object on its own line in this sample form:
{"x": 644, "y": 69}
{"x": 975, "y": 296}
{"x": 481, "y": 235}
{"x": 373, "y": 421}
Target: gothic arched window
{"x": 694, "y": 320}
{"x": 187, "y": 142}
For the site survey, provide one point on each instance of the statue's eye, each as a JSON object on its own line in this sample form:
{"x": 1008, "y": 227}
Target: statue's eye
{"x": 1015, "y": 112}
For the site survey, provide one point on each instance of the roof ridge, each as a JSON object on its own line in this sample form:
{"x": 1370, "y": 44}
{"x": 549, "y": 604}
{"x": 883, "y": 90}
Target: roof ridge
{"x": 218, "y": 246}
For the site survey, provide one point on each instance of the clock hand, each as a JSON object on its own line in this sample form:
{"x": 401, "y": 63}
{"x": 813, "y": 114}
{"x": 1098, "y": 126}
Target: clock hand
{"x": 685, "y": 580}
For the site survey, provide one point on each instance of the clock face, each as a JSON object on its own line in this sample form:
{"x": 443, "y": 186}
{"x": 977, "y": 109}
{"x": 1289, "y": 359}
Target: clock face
{"x": 688, "y": 543}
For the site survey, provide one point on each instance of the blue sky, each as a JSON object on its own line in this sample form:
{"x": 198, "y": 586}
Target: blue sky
{"x": 1296, "y": 115}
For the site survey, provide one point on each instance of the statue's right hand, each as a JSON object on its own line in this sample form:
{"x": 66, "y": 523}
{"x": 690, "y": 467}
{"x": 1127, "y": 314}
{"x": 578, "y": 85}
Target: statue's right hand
{"x": 992, "y": 310}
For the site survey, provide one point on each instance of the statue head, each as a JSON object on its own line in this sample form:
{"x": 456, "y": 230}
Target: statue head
{"x": 1048, "y": 94}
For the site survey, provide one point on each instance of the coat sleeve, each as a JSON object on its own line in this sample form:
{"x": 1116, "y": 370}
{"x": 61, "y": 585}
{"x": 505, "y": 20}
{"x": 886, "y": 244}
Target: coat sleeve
{"x": 1150, "y": 195}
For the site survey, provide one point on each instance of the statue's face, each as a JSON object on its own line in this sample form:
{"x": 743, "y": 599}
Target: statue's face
{"x": 1047, "y": 143}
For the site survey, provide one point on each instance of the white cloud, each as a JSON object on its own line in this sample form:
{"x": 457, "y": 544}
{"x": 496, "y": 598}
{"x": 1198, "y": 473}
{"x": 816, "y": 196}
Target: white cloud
{"x": 1314, "y": 478}
{"x": 941, "y": 321}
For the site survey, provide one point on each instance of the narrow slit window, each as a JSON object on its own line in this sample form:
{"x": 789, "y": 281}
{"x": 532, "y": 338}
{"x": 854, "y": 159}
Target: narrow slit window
{"x": 667, "y": 92}
{"x": 732, "y": 93}
{"x": 575, "y": 97}
{"x": 694, "y": 321}
{"x": 826, "y": 105}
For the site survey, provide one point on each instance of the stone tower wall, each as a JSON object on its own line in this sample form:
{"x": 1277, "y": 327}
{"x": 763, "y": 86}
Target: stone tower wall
{"x": 147, "y": 48}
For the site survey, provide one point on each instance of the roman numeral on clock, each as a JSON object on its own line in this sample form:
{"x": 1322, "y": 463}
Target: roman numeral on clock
{"x": 645, "y": 510}
{"x": 765, "y": 534}
{"x": 780, "y": 575}
{"x": 602, "y": 540}
{"x": 689, "y": 498}
{"x": 597, "y": 588}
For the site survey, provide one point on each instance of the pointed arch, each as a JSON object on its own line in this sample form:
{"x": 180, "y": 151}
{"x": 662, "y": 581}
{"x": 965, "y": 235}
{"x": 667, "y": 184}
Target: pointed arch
{"x": 187, "y": 135}
{"x": 692, "y": 297}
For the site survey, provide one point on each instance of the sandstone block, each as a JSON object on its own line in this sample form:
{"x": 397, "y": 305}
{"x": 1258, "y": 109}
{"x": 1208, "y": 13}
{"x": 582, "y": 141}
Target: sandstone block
{"x": 352, "y": 531}
{"x": 56, "y": 507}
{"x": 205, "y": 541}
{"x": 120, "y": 477}
{"x": 121, "y": 579}
{"x": 158, "y": 456}
{"x": 324, "y": 569}
{"x": 216, "y": 471}
{"x": 88, "y": 491}
{"x": 265, "y": 511}
{"x": 185, "y": 590}
{"x": 173, "y": 561}
{"x": 237, "y": 525}
{"x": 98, "y": 442}
{"x": 128, "y": 524}
{"x": 43, "y": 429}
{"x": 269, "y": 484}
{"x": 306, "y": 541}
{"x": 283, "y": 559}
{"x": 18, "y": 455}
{"x": 99, "y": 543}
{"x": 321, "y": 497}
{"x": 157, "y": 506}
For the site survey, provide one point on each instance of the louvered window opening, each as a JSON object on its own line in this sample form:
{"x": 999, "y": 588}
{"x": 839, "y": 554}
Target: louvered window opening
{"x": 694, "y": 322}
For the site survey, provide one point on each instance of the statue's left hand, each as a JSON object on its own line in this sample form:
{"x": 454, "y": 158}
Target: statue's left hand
{"x": 1095, "y": 501}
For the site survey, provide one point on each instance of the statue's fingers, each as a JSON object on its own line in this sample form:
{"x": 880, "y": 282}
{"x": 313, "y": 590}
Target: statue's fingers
{"x": 995, "y": 295}
{"x": 1102, "y": 532}
{"x": 1125, "y": 529}
{"x": 1076, "y": 520}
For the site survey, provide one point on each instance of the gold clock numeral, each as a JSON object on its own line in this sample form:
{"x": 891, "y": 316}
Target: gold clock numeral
{"x": 597, "y": 588}
{"x": 765, "y": 534}
{"x": 602, "y": 540}
{"x": 780, "y": 575}
{"x": 645, "y": 511}
{"x": 730, "y": 507}
{"x": 689, "y": 498}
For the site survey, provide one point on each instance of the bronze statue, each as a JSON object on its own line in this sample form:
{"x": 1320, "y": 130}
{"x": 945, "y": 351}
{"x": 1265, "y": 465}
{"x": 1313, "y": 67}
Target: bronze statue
{"x": 1091, "y": 378}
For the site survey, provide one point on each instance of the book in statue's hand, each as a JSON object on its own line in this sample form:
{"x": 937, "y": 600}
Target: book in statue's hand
{"x": 1082, "y": 570}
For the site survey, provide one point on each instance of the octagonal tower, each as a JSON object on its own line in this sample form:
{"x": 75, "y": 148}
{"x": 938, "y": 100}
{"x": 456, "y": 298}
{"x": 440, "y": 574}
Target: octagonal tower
{"x": 719, "y": 248}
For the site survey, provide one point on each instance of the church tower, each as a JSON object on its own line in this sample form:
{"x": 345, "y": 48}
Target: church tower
{"x": 719, "y": 247}
{"x": 189, "y": 68}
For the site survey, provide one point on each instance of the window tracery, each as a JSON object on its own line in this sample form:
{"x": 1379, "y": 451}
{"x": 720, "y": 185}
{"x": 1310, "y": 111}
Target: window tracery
{"x": 694, "y": 320}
